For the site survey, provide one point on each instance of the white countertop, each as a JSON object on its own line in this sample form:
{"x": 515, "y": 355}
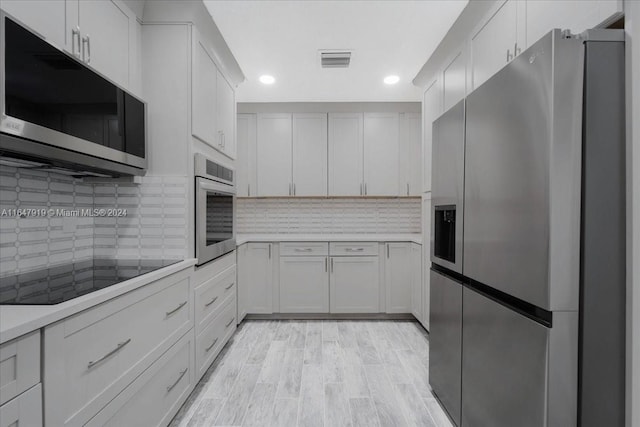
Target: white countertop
{"x": 409, "y": 237}
{"x": 17, "y": 320}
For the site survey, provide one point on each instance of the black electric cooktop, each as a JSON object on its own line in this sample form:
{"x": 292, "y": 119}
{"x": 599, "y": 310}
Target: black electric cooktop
{"x": 64, "y": 282}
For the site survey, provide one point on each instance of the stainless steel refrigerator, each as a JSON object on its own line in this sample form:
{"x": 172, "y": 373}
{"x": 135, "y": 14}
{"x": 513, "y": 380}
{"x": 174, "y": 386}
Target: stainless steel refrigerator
{"x": 528, "y": 247}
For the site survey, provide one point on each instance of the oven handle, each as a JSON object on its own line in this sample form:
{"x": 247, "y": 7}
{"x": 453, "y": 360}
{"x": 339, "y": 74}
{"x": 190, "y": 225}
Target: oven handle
{"x": 208, "y": 185}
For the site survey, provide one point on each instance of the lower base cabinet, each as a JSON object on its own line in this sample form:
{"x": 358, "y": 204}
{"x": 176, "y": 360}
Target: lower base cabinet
{"x": 354, "y": 284}
{"x": 304, "y": 284}
{"x": 156, "y": 395}
{"x": 214, "y": 336}
{"x": 24, "y": 410}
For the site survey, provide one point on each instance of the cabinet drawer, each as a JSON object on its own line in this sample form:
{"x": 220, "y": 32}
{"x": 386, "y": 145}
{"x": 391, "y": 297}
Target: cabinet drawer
{"x": 304, "y": 248}
{"x": 19, "y": 365}
{"x": 156, "y": 395}
{"x": 91, "y": 357}
{"x": 23, "y": 411}
{"x": 211, "y": 295}
{"x": 214, "y": 336}
{"x": 353, "y": 248}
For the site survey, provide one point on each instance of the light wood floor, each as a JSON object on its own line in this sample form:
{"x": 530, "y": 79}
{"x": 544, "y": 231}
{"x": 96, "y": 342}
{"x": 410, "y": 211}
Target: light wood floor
{"x": 318, "y": 373}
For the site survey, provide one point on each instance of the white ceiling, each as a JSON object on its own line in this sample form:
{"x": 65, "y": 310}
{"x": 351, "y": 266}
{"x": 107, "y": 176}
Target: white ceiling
{"x": 282, "y": 38}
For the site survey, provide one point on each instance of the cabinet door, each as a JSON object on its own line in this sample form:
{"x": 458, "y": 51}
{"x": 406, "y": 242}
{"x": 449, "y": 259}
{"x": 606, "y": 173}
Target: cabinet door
{"x": 274, "y": 155}
{"x": 203, "y": 94}
{"x": 381, "y": 154}
{"x": 46, "y": 17}
{"x": 431, "y": 110}
{"x": 304, "y": 284}
{"x": 255, "y": 283}
{"x": 398, "y": 272}
{"x": 416, "y": 281}
{"x": 454, "y": 81}
{"x": 345, "y": 154}
{"x": 104, "y": 28}
{"x": 24, "y": 410}
{"x": 246, "y": 161}
{"x": 493, "y": 45}
{"x": 226, "y": 108}
{"x": 310, "y": 154}
{"x": 354, "y": 285}
{"x": 410, "y": 154}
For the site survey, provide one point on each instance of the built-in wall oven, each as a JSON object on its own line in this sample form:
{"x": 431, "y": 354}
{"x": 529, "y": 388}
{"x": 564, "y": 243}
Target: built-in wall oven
{"x": 215, "y": 199}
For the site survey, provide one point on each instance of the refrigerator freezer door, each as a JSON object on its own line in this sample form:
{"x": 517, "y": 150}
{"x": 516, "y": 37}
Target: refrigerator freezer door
{"x": 445, "y": 342}
{"x": 448, "y": 189}
{"x": 522, "y": 176}
{"x": 504, "y": 366}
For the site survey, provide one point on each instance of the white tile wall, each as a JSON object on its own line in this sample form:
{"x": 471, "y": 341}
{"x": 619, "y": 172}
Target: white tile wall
{"x": 328, "y": 216}
{"x": 155, "y": 225}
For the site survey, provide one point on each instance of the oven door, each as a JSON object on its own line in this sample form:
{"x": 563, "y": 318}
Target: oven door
{"x": 214, "y": 220}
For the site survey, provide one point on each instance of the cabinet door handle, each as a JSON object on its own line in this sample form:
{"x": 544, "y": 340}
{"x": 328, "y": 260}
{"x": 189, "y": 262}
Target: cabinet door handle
{"x": 289, "y": 188}
{"x": 119, "y": 347}
{"x": 387, "y": 250}
{"x": 248, "y": 190}
{"x": 269, "y": 250}
{"x": 365, "y": 188}
{"x": 509, "y": 56}
{"x": 75, "y": 41}
{"x": 211, "y": 302}
{"x": 229, "y": 322}
{"x": 361, "y": 189}
{"x": 326, "y": 262}
{"x": 169, "y": 388}
{"x": 86, "y": 41}
{"x": 169, "y": 313}
{"x": 228, "y": 287}
{"x": 294, "y": 188}
{"x": 407, "y": 188}
{"x": 211, "y": 346}
{"x": 332, "y": 265}
{"x": 516, "y": 50}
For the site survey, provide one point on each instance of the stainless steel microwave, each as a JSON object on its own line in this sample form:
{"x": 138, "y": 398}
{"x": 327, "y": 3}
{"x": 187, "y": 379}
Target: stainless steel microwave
{"x": 215, "y": 203}
{"x": 60, "y": 112}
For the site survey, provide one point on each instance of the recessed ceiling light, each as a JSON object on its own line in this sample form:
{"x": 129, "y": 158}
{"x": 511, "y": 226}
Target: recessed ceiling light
{"x": 391, "y": 80}
{"x": 267, "y": 79}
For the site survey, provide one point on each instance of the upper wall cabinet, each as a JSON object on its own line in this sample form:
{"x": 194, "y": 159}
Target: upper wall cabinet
{"x": 310, "y": 154}
{"x": 497, "y": 41}
{"x": 381, "y": 154}
{"x": 431, "y": 110}
{"x": 226, "y": 112}
{"x": 410, "y": 154}
{"x": 246, "y": 165}
{"x": 454, "y": 80}
{"x": 103, "y": 34}
{"x": 345, "y": 154}
{"x": 273, "y": 155}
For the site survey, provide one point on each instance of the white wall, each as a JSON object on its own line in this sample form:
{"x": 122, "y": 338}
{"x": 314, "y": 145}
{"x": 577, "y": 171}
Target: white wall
{"x": 632, "y": 24}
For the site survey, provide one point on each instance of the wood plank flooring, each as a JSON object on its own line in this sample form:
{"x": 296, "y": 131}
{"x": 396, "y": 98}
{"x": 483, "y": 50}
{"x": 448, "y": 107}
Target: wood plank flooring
{"x": 326, "y": 373}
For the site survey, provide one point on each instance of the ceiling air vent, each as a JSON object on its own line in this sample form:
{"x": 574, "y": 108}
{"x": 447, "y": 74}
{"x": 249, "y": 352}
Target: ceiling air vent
{"x": 335, "y": 59}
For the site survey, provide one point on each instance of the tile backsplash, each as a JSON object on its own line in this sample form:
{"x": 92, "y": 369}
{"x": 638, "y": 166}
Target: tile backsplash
{"x": 340, "y": 216}
{"x": 154, "y": 225}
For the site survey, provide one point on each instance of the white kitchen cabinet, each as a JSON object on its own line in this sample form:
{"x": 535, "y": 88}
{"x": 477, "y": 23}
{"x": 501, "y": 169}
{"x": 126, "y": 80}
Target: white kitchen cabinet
{"x": 398, "y": 270}
{"x": 19, "y": 365}
{"x": 204, "y": 93}
{"x": 304, "y": 284}
{"x": 100, "y": 33}
{"x": 46, "y": 17}
{"x": 431, "y": 110}
{"x": 23, "y": 411}
{"x": 410, "y": 154}
{"x": 255, "y": 279}
{"x": 246, "y": 162}
{"x": 345, "y": 154}
{"x": 354, "y": 284}
{"x": 105, "y": 37}
{"x": 497, "y": 41}
{"x": 274, "y": 156}
{"x": 426, "y": 258}
{"x": 226, "y": 111}
{"x": 454, "y": 81}
{"x": 575, "y": 15}
{"x": 381, "y": 154}
{"x": 309, "y": 154}
{"x": 416, "y": 282}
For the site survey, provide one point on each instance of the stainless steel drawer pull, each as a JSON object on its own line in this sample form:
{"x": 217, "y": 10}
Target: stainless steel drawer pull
{"x": 229, "y": 322}
{"x": 228, "y": 287}
{"x": 354, "y": 249}
{"x": 303, "y": 249}
{"x": 111, "y": 353}
{"x": 211, "y": 346}
{"x": 182, "y": 304}
{"x": 211, "y": 302}
{"x": 169, "y": 388}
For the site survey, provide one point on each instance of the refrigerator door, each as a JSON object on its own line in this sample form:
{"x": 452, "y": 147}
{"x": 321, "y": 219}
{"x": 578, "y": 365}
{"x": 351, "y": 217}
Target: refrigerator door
{"x": 504, "y": 366}
{"x": 522, "y": 176}
{"x": 448, "y": 188}
{"x": 445, "y": 342}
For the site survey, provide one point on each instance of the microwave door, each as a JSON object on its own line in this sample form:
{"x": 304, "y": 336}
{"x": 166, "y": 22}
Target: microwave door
{"x": 214, "y": 220}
